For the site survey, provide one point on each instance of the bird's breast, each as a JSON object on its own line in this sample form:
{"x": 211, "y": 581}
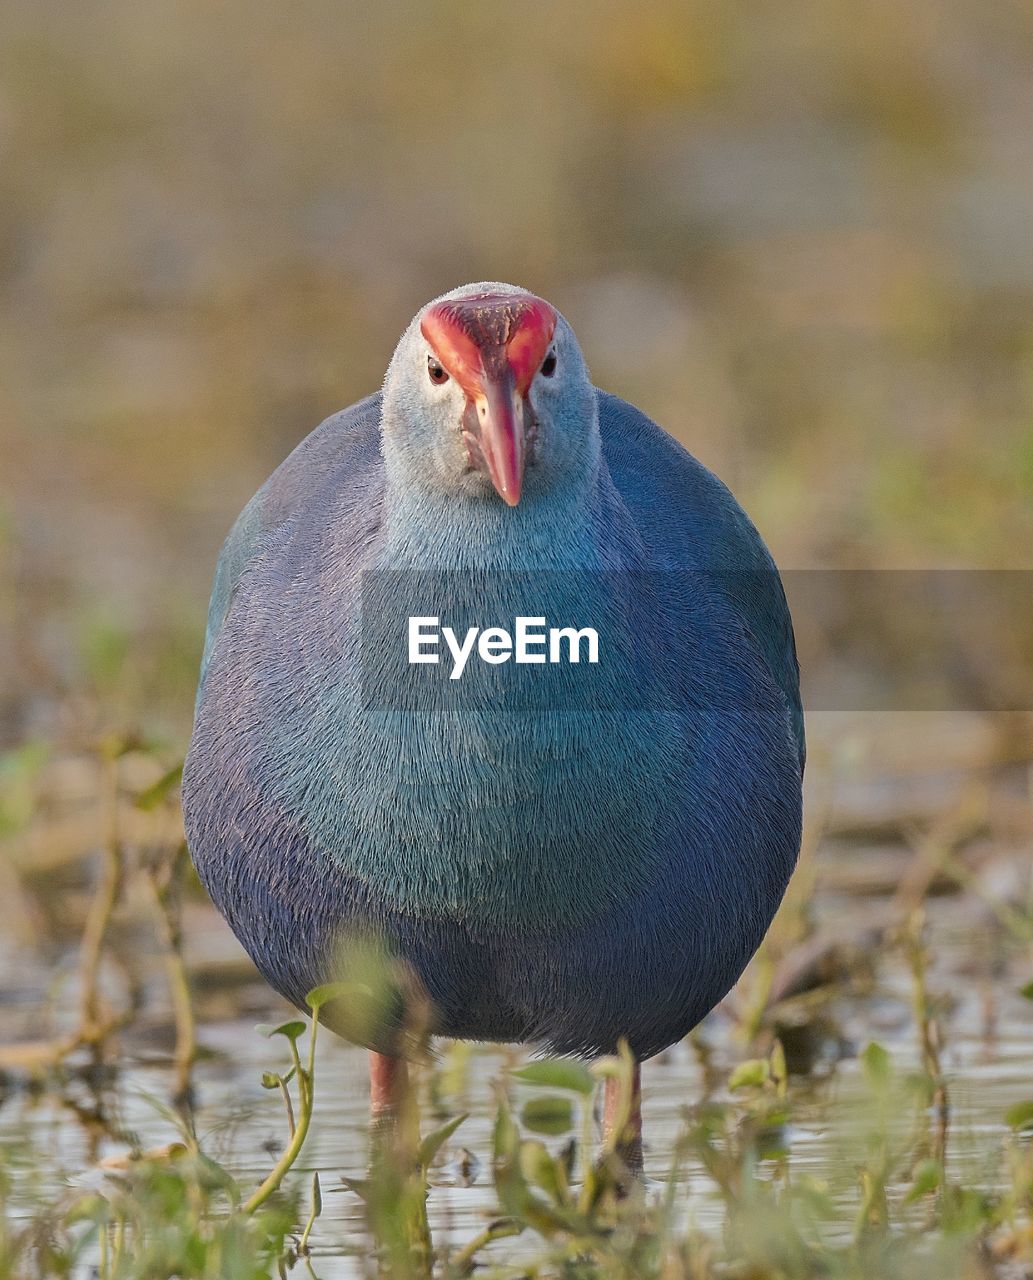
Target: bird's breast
{"x": 484, "y": 787}
{"x": 525, "y": 818}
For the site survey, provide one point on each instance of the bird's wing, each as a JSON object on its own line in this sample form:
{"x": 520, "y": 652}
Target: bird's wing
{"x": 689, "y": 520}
{"x": 295, "y": 482}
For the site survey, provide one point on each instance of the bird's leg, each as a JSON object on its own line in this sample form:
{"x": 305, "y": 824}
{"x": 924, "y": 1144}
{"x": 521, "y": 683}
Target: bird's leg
{"x": 622, "y": 1120}
{"x": 394, "y": 1125}
{"x": 395, "y": 1165}
{"x": 388, "y": 1084}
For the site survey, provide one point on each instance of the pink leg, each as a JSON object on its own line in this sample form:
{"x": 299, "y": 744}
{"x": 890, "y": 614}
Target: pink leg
{"x": 628, "y": 1143}
{"x": 388, "y": 1081}
{"x": 390, "y": 1107}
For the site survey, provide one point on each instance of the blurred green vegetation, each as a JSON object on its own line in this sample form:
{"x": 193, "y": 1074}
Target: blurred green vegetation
{"x": 798, "y": 236}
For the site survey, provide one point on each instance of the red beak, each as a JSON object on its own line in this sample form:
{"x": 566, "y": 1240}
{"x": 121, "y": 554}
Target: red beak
{"x": 502, "y": 436}
{"x": 493, "y": 345}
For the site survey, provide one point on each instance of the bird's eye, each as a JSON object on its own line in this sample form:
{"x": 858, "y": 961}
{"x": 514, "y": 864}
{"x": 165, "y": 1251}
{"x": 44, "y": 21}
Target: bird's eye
{"x": 436, "y": 371}
{"x": 549, "y": 365}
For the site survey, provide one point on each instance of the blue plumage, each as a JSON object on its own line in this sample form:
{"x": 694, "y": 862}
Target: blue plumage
{"x": 560, "y": 855}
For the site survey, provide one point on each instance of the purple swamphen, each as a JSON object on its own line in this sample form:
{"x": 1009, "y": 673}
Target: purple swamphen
{"x": 561, "y": 853}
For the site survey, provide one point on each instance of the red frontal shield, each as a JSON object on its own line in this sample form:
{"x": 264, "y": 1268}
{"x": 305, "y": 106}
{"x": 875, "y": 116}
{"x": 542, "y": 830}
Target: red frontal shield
{"x": 493, "y": 344}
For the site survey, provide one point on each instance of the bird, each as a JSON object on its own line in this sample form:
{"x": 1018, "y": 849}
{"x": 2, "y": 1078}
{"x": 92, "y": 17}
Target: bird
{"x": 571, "y": 854}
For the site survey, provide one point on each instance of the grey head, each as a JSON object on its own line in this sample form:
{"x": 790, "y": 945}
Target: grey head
{"x": 488, "y": 396}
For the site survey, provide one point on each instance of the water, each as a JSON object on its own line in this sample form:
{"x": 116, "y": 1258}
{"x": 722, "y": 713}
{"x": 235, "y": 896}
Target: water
{"x": 59, "y": 1139}
{"x": 978, "y": 947}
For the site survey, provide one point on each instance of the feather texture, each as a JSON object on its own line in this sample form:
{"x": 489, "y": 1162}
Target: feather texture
{"x": 562, "y": 856}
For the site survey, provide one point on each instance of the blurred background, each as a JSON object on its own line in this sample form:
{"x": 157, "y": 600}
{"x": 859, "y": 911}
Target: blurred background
{"x": 798, "y": 236}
